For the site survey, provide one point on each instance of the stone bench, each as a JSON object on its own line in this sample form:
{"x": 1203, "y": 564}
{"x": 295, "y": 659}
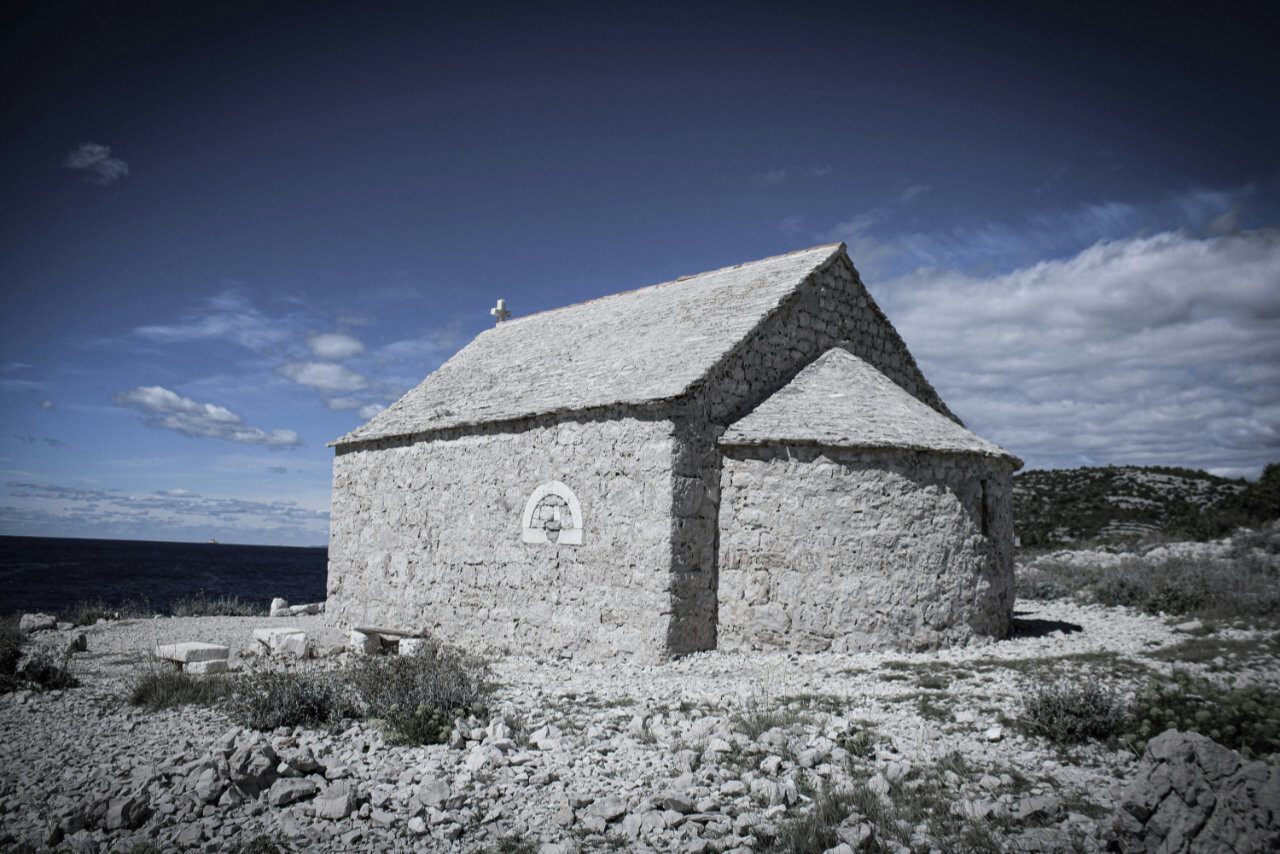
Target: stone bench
{"x": 370, "y": 640}
{"x": 194, "y": 656}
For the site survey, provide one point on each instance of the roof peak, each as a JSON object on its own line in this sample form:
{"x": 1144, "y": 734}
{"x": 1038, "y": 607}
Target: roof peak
{"x": 835, "y": 247}
{"x": 637, "y": 348}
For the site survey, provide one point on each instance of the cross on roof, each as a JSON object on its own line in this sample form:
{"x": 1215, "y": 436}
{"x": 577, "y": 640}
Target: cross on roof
{"x": 500, "y": 312}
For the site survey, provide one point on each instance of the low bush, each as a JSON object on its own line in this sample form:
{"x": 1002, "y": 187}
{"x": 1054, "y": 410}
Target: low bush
{"x": 1073, "y": 713}
{"x": 201, "y": 604}
{"x": 44, "y": 671}
{"x": 919, "y": 816}
{"x": 814, "y": 830}
{"x": 416, "y": 697}
{"x": 514, "y": 843}
{"x": 860, "y": 740}
{"x": 157, "y": 687}
{"x": 10, "y": 647}
{"x": 1172, "y": 587}
{"x": 755, "y": 722}
{"x": 1042, "y": 585}
{"x": 267, "y": 699}
{"x": 86, "y": 612}
{"x": 1223, "y": 588}
{"x": 1244, "y": 719}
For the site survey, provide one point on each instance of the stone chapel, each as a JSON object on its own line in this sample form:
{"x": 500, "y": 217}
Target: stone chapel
{"x": 747, "y": 458}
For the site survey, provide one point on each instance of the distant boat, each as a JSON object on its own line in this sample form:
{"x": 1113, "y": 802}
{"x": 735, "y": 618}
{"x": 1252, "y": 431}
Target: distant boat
{"x": 215, "y": 542}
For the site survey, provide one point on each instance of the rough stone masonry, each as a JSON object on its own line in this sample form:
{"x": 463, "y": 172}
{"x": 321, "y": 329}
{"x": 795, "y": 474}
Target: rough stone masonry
{"x": 560, "y": 484}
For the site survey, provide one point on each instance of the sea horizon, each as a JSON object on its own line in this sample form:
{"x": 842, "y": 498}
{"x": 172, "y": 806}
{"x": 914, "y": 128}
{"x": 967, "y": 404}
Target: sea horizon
{"x": 57, "y": 573}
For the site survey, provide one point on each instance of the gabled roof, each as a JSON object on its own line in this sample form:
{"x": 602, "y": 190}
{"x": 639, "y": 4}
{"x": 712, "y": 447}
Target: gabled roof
{"x": 631, "y": 348}
{"x": 840, "y": 400}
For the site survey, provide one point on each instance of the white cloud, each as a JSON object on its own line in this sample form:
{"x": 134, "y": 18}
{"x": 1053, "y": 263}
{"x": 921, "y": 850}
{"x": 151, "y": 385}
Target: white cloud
{"x": 47, "y": 404}
{"x": 911, "y": 192}
{"x": 324, "y": 377}
{"x": 163, "y": 408}
{"x": 334, "y": 346}
{"x": 96, "y": 160}
{"x": 340, "y": 403}
{"x": 772, "y": 178}
{"x": 171, "y": 513}
{"x": 880, "y": 251}
{"x": 228, "y": 316}
{"x": 367, "y": 412}
{"x": 1157, "y": 350}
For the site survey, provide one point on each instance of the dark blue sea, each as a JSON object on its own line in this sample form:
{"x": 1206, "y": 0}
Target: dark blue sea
{"x": 48, "y": 574}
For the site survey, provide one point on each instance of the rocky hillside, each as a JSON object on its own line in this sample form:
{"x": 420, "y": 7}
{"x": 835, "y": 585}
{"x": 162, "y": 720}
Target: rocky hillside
{"x": 1066, "y": 505}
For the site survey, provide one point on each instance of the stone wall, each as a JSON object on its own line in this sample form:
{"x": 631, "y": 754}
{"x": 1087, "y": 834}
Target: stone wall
{"x": 831, "y": 308}
{"x": 427, "y": 534}
{"x": 847, "y": 549}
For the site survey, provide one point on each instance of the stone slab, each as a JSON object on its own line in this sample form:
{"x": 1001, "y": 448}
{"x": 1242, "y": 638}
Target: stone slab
{"x": 190, "y": 651}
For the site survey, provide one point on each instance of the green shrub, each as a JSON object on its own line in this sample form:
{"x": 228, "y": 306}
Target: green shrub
{"x": 814, "y": 830}
{"x": 1073, "y": 713}
{"x": 756, "y": 722}
{"x": 45, "y": 672}
{"x": 159, "y": 687}
{"x": 1244, "y": 719}
{"x": 267, "y": 699}
{"x": 86, "y": 612}
{"x": 1042, "y": 585}
{"x": 416, "y": 696}
{"x": 42, "y": 671}
{"x": 1240, "y": 587}
{"x": 1172, "y": 587}
{"x": 514, "y": 843}
{"x": 202, "y": 604}
{"x": 10, "y": 647}
{"x": 860, "y": 740}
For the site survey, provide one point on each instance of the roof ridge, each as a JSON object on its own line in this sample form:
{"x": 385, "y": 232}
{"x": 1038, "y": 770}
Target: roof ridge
{"x": 677, "y": 280}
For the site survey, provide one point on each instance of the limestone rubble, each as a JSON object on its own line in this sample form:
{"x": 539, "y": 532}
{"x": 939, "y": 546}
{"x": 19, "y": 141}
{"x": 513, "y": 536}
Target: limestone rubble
{"x": 572, "y": 754}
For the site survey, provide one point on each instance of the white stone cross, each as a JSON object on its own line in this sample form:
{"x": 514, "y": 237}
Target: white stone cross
{"x": 500, "y": 312}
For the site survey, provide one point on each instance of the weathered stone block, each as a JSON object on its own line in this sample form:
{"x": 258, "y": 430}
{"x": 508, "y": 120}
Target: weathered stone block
{"x": 192, "y": 651}
{"x": 213, "y": 665}
{"x": 365, "y": 644}
{"x": 288, "y": 642}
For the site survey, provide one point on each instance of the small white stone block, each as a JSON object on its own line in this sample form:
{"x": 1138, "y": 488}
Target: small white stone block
{"x": 365, "y": 644}
{"x": 279, "y": 607}
{"x": 309, "y": 608}
{"x": 410, "y": 646}
{"x": 292, "y": 642}
{"x": 213, "y": 665}
{"x": 192, "y": 651}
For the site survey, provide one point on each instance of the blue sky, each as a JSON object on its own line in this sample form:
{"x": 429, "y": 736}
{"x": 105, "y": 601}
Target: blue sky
{"x": 232, "y": 233}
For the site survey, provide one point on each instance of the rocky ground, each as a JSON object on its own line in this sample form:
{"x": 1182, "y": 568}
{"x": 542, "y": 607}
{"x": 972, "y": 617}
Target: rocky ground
{"x": 714, "y": 752}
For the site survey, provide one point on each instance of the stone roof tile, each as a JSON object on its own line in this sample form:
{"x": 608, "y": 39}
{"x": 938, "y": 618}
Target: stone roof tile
{"x": 632, "y": 348}
{"x": 840, "y": 400}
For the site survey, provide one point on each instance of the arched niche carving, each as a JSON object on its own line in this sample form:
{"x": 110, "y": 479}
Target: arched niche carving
{"x": 552, "y": 515}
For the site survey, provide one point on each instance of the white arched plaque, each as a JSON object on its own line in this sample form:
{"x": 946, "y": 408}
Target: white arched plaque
{"x": 552, "y": 515}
